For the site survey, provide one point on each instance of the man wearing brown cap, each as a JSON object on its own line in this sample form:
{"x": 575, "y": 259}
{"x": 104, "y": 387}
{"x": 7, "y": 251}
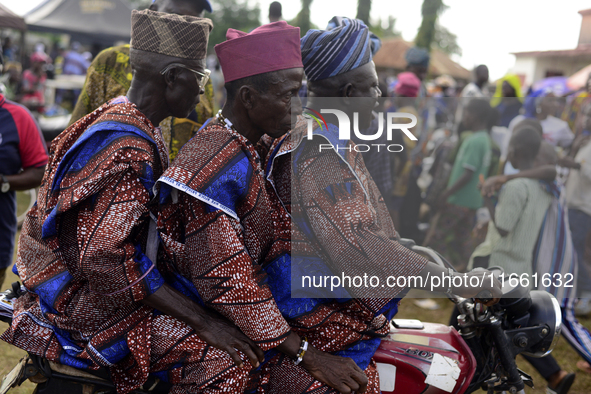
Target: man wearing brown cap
{"x": 222, "y": 224}
{"x": 87, "y": 252}
{"x": 109, "y": 76}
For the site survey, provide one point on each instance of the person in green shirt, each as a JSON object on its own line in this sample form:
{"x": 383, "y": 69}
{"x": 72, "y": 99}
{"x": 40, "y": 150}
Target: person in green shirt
{"x": 457, "y": 205}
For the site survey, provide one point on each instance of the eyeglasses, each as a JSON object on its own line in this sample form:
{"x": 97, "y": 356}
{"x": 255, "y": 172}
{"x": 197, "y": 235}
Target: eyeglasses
{"x": 201, "y": 77}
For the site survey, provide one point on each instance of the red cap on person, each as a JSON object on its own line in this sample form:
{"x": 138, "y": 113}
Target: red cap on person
{"x": 40, "y": 57}
{"x": 408, "y": 85}
{"x": 271, "y": 47}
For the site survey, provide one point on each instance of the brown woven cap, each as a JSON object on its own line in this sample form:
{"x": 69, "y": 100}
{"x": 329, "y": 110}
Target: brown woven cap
{"x": 170, "y": 34}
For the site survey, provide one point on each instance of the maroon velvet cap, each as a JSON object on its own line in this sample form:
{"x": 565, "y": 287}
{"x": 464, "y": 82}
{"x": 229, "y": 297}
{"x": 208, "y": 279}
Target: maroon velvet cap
{"x": 271, "y": 47}
{"x": 408, "y": 85}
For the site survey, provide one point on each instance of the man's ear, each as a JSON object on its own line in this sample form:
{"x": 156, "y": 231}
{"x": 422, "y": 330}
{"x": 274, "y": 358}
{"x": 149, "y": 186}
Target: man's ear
{"x": 346, "y": 92}
{"x": 247, "y": 96}
{"x": 171, "y": 76}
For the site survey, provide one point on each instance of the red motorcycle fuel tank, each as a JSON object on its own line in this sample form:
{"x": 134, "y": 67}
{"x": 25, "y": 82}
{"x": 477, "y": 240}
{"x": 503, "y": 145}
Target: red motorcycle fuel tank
{"x": 424, "y": 358}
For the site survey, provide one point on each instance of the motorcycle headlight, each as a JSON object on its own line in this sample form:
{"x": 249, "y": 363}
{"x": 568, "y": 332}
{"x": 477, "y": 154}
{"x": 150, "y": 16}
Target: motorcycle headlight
{"x": 544, "y": 311}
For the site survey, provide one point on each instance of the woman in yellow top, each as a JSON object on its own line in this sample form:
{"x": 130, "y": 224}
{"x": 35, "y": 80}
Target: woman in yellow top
{"x": 507, "y": 99}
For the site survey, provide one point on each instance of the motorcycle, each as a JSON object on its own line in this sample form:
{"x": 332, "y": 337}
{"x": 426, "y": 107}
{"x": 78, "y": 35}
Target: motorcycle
{"x": 53, "y": 378}
{"x": 415, "y": 357}
{"x": 430, "y": 358}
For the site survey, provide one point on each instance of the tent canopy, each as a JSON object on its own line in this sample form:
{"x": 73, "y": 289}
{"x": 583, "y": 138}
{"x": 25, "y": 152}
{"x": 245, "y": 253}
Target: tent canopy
{"x": 103, "y": 21}
{"x": 11, "y": 20}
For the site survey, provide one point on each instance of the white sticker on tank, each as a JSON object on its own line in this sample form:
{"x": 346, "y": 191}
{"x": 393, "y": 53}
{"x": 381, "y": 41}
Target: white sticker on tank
{"x": 387, "y": 374}
{"x": 444, "y": 373}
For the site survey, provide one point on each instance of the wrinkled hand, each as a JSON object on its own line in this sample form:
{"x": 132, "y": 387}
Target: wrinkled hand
{"x": 491, "y": 185}
{"x": 476, "y": 281}
{"x": 219, "y": 332}
{"x": 340, "y": 373}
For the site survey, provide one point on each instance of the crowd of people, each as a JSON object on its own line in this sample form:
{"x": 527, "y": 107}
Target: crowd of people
{"x": 25, "y": 82}
{"x": 163, "y": 235}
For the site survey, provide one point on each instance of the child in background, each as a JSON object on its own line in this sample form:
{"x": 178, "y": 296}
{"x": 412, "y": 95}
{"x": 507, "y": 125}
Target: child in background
{"x": 513, "y": 232}
{"x": 457, "y": 205}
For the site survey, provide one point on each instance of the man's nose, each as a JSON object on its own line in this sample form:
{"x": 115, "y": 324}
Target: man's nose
{"x": 296, "y": 106}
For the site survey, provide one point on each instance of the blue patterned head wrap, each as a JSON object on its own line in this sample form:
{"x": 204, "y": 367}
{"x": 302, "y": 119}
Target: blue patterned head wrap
{"x": 532, "y": 101}
{"x": 346, "y": 44}
{"x": 416, "y": 56}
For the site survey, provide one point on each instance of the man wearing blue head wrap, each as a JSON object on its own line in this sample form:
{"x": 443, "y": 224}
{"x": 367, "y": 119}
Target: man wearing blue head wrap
{"x": 338, "y": 62}
{"x": 340, "y": 222}
{"x": 417, "y": 61}
{"x": 350, "y": 45}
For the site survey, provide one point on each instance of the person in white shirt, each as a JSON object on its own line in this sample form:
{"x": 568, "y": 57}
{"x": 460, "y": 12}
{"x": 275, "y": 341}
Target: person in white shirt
{"x": 541, "y": 105}
{"x": 475, "y": 89}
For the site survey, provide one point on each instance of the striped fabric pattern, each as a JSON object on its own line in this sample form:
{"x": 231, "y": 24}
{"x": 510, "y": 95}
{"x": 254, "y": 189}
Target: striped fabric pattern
{"x": 555, "y": 254}
{"x": 345, "y": 45}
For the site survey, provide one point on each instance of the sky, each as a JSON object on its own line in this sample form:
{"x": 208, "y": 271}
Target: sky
{"x": 487, "y": 30}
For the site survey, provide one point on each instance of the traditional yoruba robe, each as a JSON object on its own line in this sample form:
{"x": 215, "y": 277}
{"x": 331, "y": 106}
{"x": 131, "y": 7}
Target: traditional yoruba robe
{"x": 81, "y": 258}
{"x": 109, "y": 76}
{"x": 230, "y": 234}
{"x": 221, "y": 230}
{"x": 340, "y": 224}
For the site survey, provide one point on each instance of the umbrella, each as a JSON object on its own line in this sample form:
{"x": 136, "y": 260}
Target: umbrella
{"x": 579, "y": 79}
{"x": 558, "y": 85}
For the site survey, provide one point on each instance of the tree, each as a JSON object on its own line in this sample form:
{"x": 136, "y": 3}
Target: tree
{"x": 236, "y": 14}
{"x": 363, "y": 10}
{"x": 446, "y": 41}
{"x": 388, "y": 32}
{"x": 139, "y": 4}
{"x": 302, "y": 20}
{"x": 430, "y": 11}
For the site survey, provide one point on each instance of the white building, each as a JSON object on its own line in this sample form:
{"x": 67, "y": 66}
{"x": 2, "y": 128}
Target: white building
{"x": 533, "y": 66}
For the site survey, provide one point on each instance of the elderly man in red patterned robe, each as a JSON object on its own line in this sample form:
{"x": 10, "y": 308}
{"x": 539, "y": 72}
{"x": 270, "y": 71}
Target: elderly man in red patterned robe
{"x": 229, "y": 235}
{"x": 87, "y": 253}
{"x": 340, "y": 224}
{"x": 221, "y": 224}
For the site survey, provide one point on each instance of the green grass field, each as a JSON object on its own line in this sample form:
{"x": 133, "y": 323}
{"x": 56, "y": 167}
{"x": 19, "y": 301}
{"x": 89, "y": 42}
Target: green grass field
{"x": 565, "y": 355}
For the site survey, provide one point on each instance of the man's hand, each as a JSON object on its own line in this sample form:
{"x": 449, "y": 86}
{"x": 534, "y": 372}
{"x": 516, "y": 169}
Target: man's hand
{"x": 491, "y": 185}
{"x": 485, "y": 281}
{"x": 340, "y": 373}
{"x": 211, "y": 327}
{"x": 568, "y": 162}
{"x": 440, "y": 202}
{"x": 221, "y": 333}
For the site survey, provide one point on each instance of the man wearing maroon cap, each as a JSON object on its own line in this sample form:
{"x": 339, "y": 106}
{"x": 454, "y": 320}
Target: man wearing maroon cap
{"x": 223, "y": 225}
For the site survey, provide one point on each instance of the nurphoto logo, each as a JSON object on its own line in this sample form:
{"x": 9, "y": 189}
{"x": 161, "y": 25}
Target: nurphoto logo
{"x": 391, "y": 119}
